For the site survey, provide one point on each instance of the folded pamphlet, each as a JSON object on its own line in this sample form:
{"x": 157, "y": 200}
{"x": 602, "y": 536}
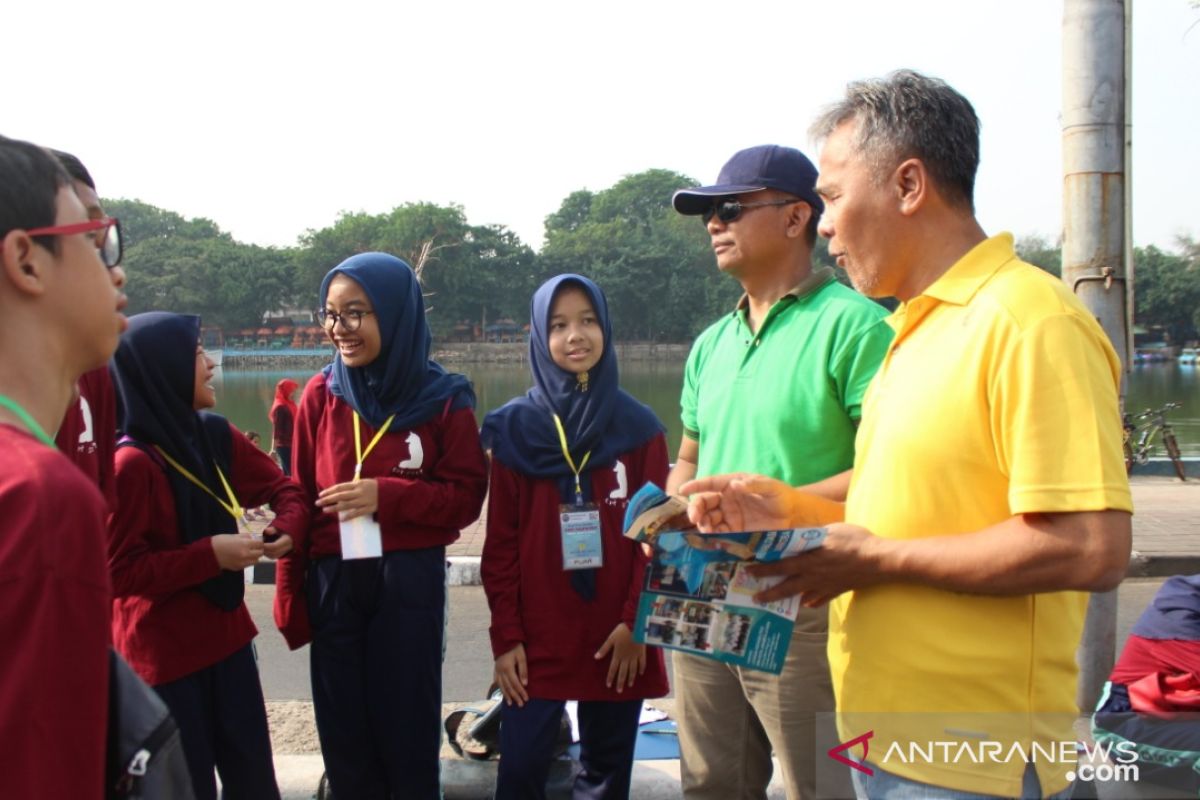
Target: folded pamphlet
{"x": 698, "y": 596}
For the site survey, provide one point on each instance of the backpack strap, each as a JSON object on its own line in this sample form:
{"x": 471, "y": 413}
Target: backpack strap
{"x": 129, "y": 441}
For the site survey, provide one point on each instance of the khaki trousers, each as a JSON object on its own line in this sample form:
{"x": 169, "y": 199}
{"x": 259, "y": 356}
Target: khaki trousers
{"x": 731, "y": 719}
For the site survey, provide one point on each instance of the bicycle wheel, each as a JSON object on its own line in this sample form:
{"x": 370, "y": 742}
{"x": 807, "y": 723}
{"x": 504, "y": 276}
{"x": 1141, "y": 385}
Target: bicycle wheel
{"x": 1173, "y": 452}
{"x": 1128, "y": 456}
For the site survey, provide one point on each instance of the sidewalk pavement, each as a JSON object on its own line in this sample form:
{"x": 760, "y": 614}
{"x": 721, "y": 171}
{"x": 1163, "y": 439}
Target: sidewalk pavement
{"x": 298, "y": 776}
{"x": 1166, "y": 527}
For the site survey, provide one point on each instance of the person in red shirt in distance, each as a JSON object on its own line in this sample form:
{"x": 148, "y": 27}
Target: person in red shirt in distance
{"x": 60, "y": 316}
{"x": 387, "y": 447}
{"x": 176, "y": 555}
{"x": 283, "y": 421}
{"x": 562, "y": 630}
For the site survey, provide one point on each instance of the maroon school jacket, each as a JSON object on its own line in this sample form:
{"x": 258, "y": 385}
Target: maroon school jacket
{"x": 432, "y": 482}
{"x": 162, "y": 624}
{"x": 88, "y": 435}
{"x": 54, "y": 622}
{"x": 531, "y": 596}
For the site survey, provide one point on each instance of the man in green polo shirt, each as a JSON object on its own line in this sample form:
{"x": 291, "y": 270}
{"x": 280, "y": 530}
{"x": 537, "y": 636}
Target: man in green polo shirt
{"x": 774, "y": 387}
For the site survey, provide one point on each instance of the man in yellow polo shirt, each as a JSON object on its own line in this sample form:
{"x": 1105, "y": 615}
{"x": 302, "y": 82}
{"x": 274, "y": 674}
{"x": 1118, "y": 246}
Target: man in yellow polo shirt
{"x": 988, "y": 492}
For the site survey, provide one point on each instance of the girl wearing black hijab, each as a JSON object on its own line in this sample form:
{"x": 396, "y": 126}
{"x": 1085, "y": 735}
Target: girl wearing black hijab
{"x": 183, "y": 478}
{"x": 387, "y": 447}
{"x": 575, "y": 446}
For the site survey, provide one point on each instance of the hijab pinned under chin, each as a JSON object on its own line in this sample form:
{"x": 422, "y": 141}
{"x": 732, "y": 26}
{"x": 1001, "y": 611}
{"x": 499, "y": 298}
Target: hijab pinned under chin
{"x": 154, "y": 372}
{"x": 598, "y": 417}
{"x": 402, "y": 380}
{"x": 603, "y": 420}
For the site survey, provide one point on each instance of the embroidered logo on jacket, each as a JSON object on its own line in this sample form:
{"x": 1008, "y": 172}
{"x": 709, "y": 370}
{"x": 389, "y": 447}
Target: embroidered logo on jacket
{"x": 87, "y": 438}
{"x": 622, "y": 490}
{"x": 618, "y": 497}
{"x": 416, "y": 456}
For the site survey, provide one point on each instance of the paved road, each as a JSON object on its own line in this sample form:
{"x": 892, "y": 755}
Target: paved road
{"x": 1166, "y": 527}
{"x": 468, "y": 669}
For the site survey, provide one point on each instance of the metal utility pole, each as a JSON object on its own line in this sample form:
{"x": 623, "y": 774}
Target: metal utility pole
{"x": 1130, "y": 278}
{"x": 1094, "y": 232}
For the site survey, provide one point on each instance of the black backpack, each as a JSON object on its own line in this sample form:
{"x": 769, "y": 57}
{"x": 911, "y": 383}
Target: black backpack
{"x": 145, "y": 754}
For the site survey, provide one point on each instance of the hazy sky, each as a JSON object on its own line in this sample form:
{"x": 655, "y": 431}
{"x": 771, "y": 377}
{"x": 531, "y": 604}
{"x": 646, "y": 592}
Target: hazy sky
{"x": 270, "y": 118}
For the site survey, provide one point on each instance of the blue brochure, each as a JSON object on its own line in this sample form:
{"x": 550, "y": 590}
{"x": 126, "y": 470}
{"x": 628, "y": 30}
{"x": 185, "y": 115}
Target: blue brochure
{"x": 697, "y": 595}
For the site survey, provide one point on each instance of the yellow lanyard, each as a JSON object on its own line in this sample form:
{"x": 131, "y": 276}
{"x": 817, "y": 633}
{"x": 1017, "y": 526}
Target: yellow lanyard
{"x": 358, "y": 451}
{"x": 562, "y": 439}
{"x": 233, "y": 506}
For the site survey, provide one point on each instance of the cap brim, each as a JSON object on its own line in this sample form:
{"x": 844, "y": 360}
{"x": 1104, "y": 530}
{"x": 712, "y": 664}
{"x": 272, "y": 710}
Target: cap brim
{"x": 698, "y": 200}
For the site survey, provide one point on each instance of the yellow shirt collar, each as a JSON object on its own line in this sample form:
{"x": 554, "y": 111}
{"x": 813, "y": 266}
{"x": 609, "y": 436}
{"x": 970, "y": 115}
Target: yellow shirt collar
{"x": 959, "y": 284}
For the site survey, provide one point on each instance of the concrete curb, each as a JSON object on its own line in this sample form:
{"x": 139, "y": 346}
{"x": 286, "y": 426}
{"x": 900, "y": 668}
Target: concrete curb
{"x": 1164, "y": 467}
{"x": 464, "y": 570}
{"x": 460, "y": 571}
{"x": 1147, "y": 565}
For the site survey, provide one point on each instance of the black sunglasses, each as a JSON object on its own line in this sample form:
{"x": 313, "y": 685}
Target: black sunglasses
{"x": 727, "y": 210}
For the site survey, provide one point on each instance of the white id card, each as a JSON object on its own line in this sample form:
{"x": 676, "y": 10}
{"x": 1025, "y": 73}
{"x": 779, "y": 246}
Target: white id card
{"x": 243, "y": 526}
{"x": 361, "y": 538}
{"x": 581, "y": 537}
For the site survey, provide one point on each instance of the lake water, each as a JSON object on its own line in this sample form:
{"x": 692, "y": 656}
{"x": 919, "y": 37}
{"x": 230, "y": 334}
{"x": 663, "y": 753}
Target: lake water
{"x": 244, "y": 396}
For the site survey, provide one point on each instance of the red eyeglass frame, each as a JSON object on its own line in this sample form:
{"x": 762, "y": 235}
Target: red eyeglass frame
{"x": 84, "y": 227}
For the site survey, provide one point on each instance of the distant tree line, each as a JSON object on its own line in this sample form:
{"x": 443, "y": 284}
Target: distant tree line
{"x": 655, "y": 265}
{"x": 1166, "y": 286}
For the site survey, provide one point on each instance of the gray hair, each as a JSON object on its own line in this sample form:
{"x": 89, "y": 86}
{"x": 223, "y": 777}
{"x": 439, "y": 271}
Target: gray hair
{"x": 910, "y": 115}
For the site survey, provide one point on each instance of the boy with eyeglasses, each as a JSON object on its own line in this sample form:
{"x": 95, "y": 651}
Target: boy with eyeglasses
{"x": 89, "y": 429}
{"x": 60, "y": 316}
{"x": 774, "y": 387}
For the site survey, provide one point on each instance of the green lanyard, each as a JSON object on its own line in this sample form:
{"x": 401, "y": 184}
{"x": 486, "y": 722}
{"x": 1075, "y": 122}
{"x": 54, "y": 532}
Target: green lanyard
{"x": 562, "y": 439}
{"x": 233, "y": 506}
{"x": 27, "y": 420}
{"x": 358, "y": 451}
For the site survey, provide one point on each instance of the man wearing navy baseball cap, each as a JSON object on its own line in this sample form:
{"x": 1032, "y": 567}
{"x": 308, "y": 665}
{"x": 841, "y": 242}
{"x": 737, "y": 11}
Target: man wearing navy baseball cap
{"x": 768, "y": 166}
{"x": 775, "y": 387}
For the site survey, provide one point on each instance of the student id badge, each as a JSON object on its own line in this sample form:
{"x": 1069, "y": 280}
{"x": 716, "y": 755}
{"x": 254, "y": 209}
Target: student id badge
{"x": 361, "y": 538}
{"x": 581, "y": 536}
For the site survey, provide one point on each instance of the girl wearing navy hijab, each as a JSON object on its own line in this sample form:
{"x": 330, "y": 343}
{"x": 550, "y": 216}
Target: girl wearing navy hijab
{"x": 387, "y": 447}
{"x": 561, "y": 580}
{"x": 176, "y": 558}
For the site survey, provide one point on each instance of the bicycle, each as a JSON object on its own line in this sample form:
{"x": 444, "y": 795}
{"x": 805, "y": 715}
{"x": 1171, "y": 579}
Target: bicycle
{"x": 1140, "y": 431}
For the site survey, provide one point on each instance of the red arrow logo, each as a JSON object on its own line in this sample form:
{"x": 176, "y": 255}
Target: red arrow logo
{"x": 836, "y": 753}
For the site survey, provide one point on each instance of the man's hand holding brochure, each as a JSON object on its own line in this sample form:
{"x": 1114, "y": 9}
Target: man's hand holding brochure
{"x": 698, "y": 597}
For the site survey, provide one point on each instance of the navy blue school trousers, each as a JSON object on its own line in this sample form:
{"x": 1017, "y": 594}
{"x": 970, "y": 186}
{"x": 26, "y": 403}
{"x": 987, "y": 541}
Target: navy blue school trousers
{"x": 223, "y": 725}
{"x": 607, "y": 732}
{"x": 378, "y": 626}
{"x": 285, "y": 459}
